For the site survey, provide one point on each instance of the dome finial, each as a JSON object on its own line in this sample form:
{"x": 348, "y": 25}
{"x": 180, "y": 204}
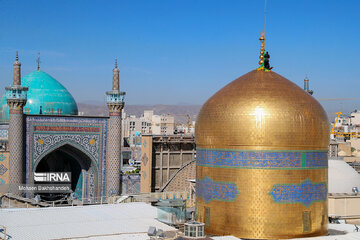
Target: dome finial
{"x": 116, "y": 63}
{"x": 262, "y": 48}
{"x": 264, "y": 56}
{"x": 17, "y": 56}
{"x": 38, "y": 61}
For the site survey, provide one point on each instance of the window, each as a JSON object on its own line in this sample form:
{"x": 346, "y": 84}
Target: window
{"x": 186, "y": 230}
{"x": 200, "y": 231}
{"x": 192, "y": 231}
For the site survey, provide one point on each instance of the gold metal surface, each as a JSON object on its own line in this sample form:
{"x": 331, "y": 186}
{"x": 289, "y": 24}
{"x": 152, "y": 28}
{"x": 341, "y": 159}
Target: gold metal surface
{"x": 254, "y": 214}
{"x": 306, "y": 221}
{"x": 262, "y": 48}
{"x": 262, "y": 111}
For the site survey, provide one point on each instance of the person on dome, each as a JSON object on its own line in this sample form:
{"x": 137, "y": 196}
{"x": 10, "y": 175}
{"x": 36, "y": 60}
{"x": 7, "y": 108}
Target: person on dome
{"x": 266, "y": 60}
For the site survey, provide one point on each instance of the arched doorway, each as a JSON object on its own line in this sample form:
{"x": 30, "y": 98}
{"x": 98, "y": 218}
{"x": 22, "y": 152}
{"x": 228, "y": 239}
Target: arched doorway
{"x": 68, "y": 158}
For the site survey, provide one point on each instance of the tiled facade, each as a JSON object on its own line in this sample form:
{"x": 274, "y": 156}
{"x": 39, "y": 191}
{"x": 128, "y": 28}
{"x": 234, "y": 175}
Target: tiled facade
{"x": 31, "y": 138}
{"x": 44, "y": 134}
{"x": 4, "y": 133}
{"x": 114, "y": 156}
{"x": 4, "y": 168}
{"x": 16, "y": 147}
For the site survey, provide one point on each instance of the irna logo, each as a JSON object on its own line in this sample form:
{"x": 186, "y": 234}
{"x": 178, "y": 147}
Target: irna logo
{"x": 52, "y": 177}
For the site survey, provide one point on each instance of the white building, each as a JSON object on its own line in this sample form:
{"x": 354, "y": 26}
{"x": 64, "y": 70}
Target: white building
{"x": 347, "y": 123}
{"x": 148, "y": 124}
{"x": 163, "y": 124}
{"x": 133, "y": 126}
{"x": 355, "y": 118}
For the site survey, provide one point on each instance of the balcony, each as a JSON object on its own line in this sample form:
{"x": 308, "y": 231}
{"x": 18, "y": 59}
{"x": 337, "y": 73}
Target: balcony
{"x": 115, "y": 97}
{"x": 16, "y": 93}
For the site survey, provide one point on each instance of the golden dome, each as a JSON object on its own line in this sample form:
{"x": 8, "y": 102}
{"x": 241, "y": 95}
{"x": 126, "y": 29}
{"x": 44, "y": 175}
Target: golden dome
{"x": 262, "y": 110}
{"x": 262, "y": 160}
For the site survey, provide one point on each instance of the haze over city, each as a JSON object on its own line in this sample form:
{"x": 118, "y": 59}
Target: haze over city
{"x": 181, "y": 52}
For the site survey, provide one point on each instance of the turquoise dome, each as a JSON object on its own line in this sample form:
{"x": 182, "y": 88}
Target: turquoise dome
{"x": 45, "y": 92}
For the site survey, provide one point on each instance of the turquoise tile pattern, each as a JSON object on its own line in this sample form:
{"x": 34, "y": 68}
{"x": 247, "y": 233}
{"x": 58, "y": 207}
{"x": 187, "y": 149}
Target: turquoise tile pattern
{"x": 45, "y": 92}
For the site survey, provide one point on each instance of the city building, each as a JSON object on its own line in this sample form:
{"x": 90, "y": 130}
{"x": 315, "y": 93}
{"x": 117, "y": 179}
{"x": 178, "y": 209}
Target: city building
{"x": 134, "y": 126}
{"x": 163, "y": 124}
{"x": 355, "y": 118}
{"x": 167, "y": 163}
{"x": 42, "y": 133}
{"x": 346, "y": 124}
{"x": 148, "y": 123}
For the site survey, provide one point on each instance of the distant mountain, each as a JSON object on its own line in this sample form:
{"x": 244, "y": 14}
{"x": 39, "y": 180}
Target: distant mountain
{"x": 88, "y": 109}
{"x": 179, "y": 111}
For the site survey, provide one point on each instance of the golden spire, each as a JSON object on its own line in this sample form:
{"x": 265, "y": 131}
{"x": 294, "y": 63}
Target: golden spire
{"x": 262, "y": 48}
{"x": 264, "y": 63}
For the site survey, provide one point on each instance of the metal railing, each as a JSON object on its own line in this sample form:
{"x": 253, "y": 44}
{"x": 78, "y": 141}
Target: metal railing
{"x": 142, "y": 197}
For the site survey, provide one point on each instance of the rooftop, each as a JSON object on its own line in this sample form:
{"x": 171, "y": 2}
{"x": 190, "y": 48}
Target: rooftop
{"x": 111, "y": 221}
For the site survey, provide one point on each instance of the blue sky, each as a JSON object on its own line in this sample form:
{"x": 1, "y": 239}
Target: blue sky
{"x": 182, "y": 51}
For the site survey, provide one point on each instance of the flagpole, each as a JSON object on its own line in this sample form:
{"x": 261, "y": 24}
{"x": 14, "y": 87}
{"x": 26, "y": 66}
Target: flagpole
{"x": 264, "y": 24}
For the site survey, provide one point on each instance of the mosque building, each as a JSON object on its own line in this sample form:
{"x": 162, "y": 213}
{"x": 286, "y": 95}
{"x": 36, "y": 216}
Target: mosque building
{"x": 262, "y": 165}
{"x": 40, "y": 131}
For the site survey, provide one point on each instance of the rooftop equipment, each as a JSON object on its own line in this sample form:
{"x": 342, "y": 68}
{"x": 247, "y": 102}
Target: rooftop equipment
{"x": 172, "y": 211}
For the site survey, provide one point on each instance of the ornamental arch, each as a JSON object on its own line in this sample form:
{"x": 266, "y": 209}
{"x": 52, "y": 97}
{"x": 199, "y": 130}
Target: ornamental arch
{"x": 77, "y": 144}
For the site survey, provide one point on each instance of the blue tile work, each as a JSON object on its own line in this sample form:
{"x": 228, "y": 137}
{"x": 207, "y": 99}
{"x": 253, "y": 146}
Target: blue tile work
{"x": 305, "y": 193}
{"x": 260, "y": 159}
{"x": 2, "y": 181}
{"x": 96, "y": 151}
{"x": 2, "y": 157}
{"x": 210, "y": 190}
{"x": 4, "y": 133}
{"x": 4, "y": 130}
{"x": 3, "y": 169}
{"x": 316, "y": 159}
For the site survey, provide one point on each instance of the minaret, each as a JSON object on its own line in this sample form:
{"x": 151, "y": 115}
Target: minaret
{"x": 115, "y": 103}
{"x": 306, "y": 86}
{"x": 16, "y": 99}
